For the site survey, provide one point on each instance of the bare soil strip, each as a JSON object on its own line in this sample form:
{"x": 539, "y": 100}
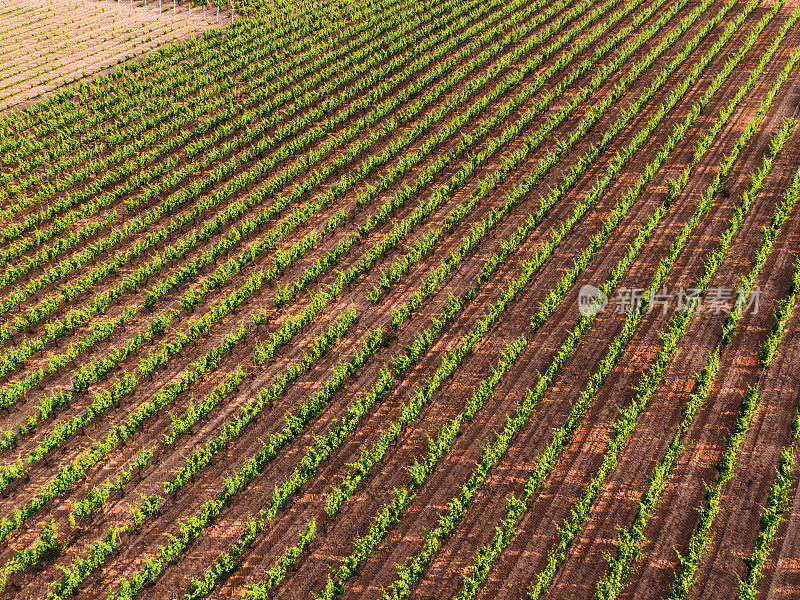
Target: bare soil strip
{"x": 47, "y": 44}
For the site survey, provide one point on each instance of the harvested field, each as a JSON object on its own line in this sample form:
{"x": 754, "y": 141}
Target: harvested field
{"x": 389, "y": 299}
{"x": 47, "y": 44}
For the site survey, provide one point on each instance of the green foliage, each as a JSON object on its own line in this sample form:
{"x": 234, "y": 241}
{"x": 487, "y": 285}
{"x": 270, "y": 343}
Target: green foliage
{"x": 503, "y": 534}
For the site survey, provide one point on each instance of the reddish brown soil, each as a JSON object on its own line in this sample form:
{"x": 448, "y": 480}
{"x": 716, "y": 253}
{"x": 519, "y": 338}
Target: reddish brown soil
{"x": 737, "y": 523}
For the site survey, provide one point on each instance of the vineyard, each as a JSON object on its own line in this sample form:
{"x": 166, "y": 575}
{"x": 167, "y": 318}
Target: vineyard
{"x": 433, "y": 299}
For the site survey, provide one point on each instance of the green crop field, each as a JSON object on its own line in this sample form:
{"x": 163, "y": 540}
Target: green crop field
{"x": 438, "y": 299}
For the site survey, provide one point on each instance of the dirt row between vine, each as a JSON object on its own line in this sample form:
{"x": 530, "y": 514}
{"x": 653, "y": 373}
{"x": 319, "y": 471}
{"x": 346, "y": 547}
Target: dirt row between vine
{"x": 521, "y": 561}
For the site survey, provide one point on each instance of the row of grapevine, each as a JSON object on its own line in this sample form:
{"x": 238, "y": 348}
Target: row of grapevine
{"x": 441, "y": 193}
{"x": 645, "y": 390}
{"x": 336, "y": 498}
{"x": 159, "y": 284}
{"x": 371, "y": 163}
{"x": 149, "y": 506}
{"x": 408, "y": 575}
{"x": 495, "y": 263}
{"x": 331, "y": 162}
{"x": 611, "y": 585}
{"x": 212, "y": 54}
{"x": 325, "y": 445}
{"x": 193, "y": 526}
{"x": 579, "y": 264}
{"x": 534, "y": 219}
{"x": 426, "y": 244}
{"x": 389, "y": 514}
{"x": 133, "y": 183}
{"x": 260, "y": 591}
{"x": 400, "y": 226}
{"x": 774, "y": 509}
{"x": 783, "y": 313}
{"x": 181, "y": 196}
{"x": 104, "y": 400}
{"x": 487, "y": 555}
{"x": 203, "y": 454}
{"x": 12, "y": 392}
{"x": 688, "y": 562}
